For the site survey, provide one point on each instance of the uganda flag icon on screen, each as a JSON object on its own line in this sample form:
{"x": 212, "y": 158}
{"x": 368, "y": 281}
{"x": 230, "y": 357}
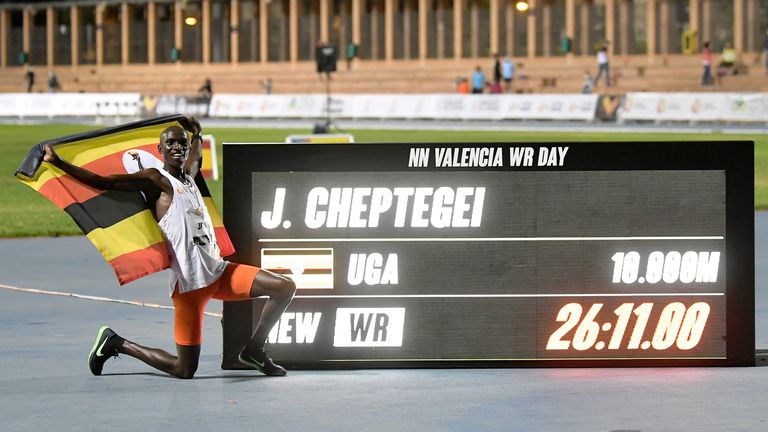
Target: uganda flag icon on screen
{"x": 118, "y": 223}
{"x": 310, "y": 268}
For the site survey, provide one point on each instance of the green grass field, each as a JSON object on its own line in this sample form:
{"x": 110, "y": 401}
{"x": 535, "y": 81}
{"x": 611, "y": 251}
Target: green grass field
{"x": 24, "y": 213}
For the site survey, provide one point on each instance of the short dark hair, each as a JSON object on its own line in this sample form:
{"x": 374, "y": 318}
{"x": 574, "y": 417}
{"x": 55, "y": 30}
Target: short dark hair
{"x": 167, "y": 130}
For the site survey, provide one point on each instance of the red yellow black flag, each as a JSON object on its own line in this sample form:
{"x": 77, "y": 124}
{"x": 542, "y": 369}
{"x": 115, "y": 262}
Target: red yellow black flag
{"x": 118, "y": 223}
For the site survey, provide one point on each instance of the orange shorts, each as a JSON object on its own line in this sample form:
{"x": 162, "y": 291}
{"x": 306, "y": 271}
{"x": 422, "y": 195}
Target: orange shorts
{"x": 234, "y": 284}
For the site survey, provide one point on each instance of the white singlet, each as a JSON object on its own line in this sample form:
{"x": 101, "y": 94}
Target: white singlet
{"x": 195, "y": 258}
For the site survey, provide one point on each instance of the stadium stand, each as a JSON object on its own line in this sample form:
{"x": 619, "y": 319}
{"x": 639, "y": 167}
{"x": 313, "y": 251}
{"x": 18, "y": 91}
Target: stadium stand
{"x": 630, "y": 74}
{"x": 401, "y": 46}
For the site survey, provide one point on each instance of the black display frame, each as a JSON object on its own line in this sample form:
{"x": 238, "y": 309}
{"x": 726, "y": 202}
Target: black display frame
{"x": 735, "y": 158}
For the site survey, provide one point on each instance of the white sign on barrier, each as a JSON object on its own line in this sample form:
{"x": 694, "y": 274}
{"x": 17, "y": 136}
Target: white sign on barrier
{"x": 746, "y": 107}
{"x": 409, "y": 106}
{"x": 373, "y": 106}
{"x": 319, "y": 139}
{"x": 268, "y": 106}
{"x": 69, "y": 104}
{"x": 695, "y": 107}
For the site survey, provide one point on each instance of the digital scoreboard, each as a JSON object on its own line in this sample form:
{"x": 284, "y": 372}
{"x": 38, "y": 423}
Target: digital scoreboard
{"x": 497, "y": 254}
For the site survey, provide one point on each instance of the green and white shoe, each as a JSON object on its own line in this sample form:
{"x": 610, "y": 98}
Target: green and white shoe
{"x": 261, "y": 362}
{"x": 105, "y": 347}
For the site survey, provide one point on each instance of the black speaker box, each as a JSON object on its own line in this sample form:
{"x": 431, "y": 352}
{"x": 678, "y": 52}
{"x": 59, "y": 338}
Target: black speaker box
{"x": 325, "y": 56}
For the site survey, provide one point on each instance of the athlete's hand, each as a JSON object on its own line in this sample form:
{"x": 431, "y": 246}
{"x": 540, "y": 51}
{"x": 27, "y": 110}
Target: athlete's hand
{"x": 191, "y": 124}
{"x": 50, "y": 155}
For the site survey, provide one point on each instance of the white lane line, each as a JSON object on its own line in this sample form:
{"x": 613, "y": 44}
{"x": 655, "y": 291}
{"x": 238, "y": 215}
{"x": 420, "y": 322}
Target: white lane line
{"x": 485, "y": 239}
{"x": 96, "y": 298}
{"x": 564, "y": 295}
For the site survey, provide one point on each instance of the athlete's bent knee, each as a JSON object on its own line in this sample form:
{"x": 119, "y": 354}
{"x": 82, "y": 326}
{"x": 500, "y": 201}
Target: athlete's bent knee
{"x": 185, "y": 373}
{"x": 288, "y": 289}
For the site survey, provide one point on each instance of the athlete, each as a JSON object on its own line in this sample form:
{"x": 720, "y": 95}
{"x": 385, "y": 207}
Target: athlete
{"x": 197, "y": 271}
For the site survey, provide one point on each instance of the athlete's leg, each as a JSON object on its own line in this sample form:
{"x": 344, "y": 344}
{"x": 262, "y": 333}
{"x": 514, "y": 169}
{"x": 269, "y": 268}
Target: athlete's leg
{"x": 280, "y": 291}
{"x": 242, "y": 282}
{"x": 188, "y": 329}
{"x": 183, "y": 365}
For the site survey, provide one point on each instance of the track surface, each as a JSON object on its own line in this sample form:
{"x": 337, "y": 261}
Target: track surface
{"x": 45, "y": 383}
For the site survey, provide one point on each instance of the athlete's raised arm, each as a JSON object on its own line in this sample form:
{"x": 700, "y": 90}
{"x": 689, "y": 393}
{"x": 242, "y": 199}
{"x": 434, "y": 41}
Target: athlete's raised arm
{"x": 149, "y": 181}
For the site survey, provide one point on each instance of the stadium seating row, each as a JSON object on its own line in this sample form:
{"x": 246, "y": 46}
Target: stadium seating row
{"x": 546, "y": 75}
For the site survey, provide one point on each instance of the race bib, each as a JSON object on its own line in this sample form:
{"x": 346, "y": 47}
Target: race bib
{"x": 201, "y": 230}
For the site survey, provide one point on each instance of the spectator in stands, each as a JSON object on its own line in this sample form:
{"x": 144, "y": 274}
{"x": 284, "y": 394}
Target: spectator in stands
{"x": 729, "y": 56}
{"x": 496, "y": 69}
{"x": 508, "y": 73}
{"x": 206, "y": 90}
{"x": 267, "y": 85}
{"x": 462, "y": 85}
{"x": 587, "y": 87}
{"x": 706, "y": 61}
{"x": 53, "y": 82}
{"x": 478, "y": 81}
{"x": 603, "y": 65}
{"x": 29, "y": 79}
{"x": 351, "y": 54}
{"x": 494, "y": 87}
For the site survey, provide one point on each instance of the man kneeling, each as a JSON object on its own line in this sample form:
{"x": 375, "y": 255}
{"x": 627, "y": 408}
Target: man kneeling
{"x": 197, "y": 271}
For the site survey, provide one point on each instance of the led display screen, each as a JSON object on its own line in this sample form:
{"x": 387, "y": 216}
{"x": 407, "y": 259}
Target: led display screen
{"x": 497, "y": 254}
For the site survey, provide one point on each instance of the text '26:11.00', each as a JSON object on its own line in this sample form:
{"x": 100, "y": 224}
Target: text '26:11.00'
{"x": 677, "y": 326}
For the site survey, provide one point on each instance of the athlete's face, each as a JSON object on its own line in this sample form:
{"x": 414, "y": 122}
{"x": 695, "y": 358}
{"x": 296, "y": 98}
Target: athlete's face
{"x": 174, "y": 146}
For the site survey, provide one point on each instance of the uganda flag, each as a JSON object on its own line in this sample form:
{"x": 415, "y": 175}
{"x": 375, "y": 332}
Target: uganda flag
{"x": 118, "y": 223}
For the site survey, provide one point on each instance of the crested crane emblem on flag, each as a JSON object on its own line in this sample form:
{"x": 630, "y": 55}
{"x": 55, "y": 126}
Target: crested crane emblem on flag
{"x": 118, "y": 223}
